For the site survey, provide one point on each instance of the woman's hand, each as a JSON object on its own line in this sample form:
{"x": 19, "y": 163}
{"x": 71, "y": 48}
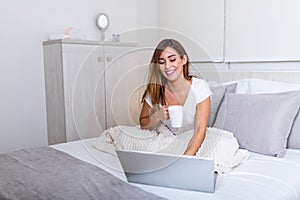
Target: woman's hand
{"x": 163, "y": 113}
{"x": 150, "y": 118}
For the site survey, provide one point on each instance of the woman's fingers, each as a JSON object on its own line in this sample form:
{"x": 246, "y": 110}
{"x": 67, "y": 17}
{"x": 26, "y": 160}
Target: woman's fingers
{"x": 166, "y": 113}
{"x": 163, "y": 113}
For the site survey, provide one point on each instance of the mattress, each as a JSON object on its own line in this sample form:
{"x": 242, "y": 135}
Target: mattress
{"x": 260, "y": 177}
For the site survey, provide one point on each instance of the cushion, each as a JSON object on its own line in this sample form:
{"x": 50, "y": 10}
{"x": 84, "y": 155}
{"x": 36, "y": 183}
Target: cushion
{"x": 294, "y": 137}
{"x": 260, "y": 122}
{"x": 258, "y": 86}
{"x": 216, "y": 99}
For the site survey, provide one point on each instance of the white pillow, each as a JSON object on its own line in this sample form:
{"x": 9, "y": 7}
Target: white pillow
{"x": 258, "y": 86}
{"x": 241, "y": 88}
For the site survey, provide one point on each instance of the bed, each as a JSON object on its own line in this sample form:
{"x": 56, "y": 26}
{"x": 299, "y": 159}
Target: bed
{"x": 260, "y": 177}
{"x": 267, "y": 174}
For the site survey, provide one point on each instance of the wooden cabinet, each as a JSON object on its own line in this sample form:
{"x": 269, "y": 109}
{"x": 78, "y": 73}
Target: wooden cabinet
{"x": 80, "y": 77}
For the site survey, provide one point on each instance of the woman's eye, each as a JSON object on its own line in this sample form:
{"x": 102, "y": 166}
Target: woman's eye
{"x": 173, "y": 60}
{"x": 161, "y": 62}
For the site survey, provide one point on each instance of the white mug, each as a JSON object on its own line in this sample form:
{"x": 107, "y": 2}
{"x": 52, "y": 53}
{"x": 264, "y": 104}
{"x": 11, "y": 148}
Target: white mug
{"x": 175, "y": 113}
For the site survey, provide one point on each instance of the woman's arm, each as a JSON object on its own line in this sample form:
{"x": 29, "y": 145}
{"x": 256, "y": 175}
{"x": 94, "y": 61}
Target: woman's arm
{"x": 150, "y": 118}
{"x": 200, "y": 125}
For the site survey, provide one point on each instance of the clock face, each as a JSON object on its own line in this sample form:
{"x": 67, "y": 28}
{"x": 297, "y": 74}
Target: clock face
{"x": 102, "y": 21}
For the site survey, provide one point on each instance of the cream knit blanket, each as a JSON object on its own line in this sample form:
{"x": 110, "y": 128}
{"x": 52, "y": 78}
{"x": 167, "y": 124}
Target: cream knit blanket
{"x": 218, "y": 144}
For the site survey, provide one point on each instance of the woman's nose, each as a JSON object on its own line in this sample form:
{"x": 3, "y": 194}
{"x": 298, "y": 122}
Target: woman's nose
{"x": 168, "y": 65}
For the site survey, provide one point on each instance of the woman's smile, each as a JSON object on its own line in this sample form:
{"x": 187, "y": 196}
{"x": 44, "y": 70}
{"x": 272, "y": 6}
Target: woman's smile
{"x": 170, "y": 71}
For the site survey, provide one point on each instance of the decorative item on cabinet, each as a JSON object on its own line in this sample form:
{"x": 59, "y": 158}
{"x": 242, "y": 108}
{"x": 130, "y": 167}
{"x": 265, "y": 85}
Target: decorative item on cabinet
{"x": 77, "y": 73}
{"x": 102, "y": 23}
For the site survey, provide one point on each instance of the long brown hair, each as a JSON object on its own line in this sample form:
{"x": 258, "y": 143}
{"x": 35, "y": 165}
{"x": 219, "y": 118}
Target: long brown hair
{"x": 156, "y": 81}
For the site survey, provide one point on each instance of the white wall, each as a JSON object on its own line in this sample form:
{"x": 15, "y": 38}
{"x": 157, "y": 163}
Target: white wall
{"x": 24, "y": 26}
{"x": 197, "y": 24}
{"x": 147, "y": 22}
{"x": 147, "y": 13}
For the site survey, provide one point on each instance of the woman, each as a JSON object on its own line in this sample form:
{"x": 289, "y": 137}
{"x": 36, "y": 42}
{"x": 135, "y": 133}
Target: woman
{"x": 170, "y": 84}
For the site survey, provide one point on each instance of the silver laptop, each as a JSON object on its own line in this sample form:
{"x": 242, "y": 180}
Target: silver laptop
{"x": 166, "y": 170}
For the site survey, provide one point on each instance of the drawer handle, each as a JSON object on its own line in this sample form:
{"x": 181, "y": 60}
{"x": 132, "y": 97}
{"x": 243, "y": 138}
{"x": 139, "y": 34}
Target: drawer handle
{"x": 108, "y": 58}
{"x": 100, "y": 59}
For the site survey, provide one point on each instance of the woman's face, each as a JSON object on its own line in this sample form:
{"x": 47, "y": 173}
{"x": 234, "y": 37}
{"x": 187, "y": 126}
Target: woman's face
{"x": 170, "y": 64}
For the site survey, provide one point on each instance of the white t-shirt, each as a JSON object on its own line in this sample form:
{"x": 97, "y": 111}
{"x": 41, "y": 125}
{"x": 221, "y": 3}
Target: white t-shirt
{"x": 199, "y": 91}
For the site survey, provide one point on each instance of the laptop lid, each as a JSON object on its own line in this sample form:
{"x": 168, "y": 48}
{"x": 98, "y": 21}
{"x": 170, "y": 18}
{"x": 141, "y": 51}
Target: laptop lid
{"x": 167, "y": 170}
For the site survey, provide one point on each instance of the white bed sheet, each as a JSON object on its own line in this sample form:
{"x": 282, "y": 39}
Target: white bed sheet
{"x": 261, "y": 177}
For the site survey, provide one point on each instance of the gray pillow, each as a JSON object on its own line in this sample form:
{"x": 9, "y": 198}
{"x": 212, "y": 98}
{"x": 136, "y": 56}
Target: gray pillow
{"x": 216, "y": 99}
{"x": 294, "y": 138}
{"x": 260, "y": 122}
